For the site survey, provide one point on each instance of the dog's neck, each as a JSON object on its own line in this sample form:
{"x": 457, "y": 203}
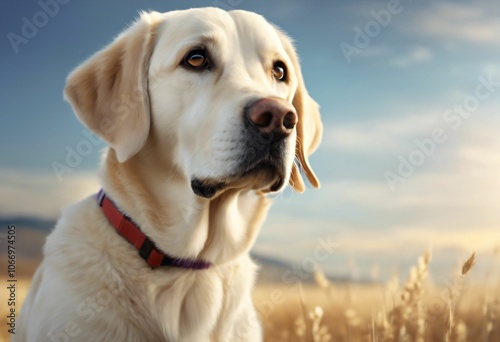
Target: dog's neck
{"x": 181, "y": 224}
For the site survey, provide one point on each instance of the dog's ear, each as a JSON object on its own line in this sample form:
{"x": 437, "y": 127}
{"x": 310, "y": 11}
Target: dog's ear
{"x": 109, "y": 91}
{"x": 309, "y": 126}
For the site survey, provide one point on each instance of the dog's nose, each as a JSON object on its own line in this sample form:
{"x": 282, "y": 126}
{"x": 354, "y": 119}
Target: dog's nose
{"x": 273, "y": 115}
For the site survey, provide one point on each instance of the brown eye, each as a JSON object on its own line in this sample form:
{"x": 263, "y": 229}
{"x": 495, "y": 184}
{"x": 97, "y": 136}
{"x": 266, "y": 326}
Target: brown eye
{"x": 279, "y": 71}
{"x": 197, "y": 59}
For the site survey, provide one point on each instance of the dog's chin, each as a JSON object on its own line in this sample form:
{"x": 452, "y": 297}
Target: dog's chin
{"x": 265, "y": 176}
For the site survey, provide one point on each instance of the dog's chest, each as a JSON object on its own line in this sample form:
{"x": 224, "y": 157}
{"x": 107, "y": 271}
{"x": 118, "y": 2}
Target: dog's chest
{"x": 191, "y": 306}
{"x": 164, "y": 304}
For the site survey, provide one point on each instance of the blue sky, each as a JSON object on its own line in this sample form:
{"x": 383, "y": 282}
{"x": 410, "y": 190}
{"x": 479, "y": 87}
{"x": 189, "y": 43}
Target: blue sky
{"x": 408, "y": 79}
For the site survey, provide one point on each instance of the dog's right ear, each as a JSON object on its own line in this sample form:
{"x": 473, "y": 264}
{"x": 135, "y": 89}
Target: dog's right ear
{"x": 309, "y": 126}
{"x": 109, "y": 91}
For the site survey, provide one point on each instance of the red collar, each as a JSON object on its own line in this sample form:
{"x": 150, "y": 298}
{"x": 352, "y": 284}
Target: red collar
{"x": 133, "y": 234}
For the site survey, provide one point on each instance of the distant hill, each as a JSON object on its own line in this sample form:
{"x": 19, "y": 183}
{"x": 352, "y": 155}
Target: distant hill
{"x": 270, "y": 270}
{"x": 28, "y": 222}
{"x": 31, "y": 233}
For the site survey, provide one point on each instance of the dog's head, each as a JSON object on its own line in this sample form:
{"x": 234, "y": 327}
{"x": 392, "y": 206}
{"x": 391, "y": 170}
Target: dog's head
{"x": 217, "y": 95}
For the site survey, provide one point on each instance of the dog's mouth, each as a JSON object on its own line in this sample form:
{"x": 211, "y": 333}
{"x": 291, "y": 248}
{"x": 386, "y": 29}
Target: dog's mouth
{"x": 206, "y": 188}
{"x": 266, "y": 176}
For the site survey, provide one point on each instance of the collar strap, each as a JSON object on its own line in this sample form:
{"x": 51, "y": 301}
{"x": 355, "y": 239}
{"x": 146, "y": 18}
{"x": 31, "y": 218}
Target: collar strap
{"x": 133, "y": 234}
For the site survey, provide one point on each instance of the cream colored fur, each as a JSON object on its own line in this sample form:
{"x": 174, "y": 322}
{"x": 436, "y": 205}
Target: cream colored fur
{"x": 165, "y": 124}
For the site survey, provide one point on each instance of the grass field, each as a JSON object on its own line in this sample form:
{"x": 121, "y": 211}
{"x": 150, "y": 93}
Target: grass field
{"x": 363, "y": 313}
{"x": 415, "y": 310}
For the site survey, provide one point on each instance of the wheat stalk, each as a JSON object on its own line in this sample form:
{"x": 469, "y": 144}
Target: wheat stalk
{"x": 466, "y": 268}
{"x": 307, "y": 333}
{"x": 409, "y": 305}
{"x": 323, "y": 282}
{"x": 491, "y": 314}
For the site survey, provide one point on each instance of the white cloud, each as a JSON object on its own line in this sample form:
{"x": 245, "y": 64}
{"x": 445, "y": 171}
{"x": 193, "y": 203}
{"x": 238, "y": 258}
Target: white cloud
{"x": 409, "y": 56}
{"x": 475, "y": 22}
{"x": 41, "y": 195}
{"x": 416, "y": 54}
{"x": 396, "y": 134}
{"x": 469, "y": 178}
{"x": 383, "y": 135}
{"x": 295, "y": 239}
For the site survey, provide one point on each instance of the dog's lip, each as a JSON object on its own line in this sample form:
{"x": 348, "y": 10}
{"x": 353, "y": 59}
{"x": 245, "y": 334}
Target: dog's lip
{"x": 278, "y": 184}
{"x": 264, "y": 164}
{"x": 206, "y": 188}
{"x": 209, "y": 188}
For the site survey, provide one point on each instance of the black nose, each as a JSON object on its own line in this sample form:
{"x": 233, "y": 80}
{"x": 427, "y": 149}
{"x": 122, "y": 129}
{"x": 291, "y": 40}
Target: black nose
{"x": 274, "y": 116}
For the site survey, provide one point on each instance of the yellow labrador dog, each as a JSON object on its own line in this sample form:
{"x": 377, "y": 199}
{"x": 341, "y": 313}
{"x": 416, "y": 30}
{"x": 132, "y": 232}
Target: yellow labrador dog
{"x": 205, "y": 112}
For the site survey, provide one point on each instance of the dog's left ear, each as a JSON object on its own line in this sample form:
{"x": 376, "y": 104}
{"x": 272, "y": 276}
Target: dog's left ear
{"x": 109, "y": 91}
{"x": 309, "y": 126}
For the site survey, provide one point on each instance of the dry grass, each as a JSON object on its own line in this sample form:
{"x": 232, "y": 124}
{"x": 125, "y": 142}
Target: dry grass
{"x": 419, "y": 311}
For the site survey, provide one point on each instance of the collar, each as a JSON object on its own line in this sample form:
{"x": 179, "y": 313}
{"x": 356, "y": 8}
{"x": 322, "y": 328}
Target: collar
{"x": 133, "y": 234}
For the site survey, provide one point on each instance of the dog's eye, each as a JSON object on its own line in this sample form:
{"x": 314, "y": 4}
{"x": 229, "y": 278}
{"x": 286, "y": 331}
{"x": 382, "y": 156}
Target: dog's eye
{"x": 279, "y": 71}
{"x": 197, "y": 59}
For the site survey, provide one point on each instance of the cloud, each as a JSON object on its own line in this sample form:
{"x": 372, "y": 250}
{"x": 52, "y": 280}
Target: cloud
{"x": 41, "y": 195}
{"x": 392, "y": 249}
{"x": 383, "y": 135}
{"x": 401, "y": 57}
{"x": 396, "y": 131}
{"x": 468, "y": 179}
{"x": 416, "y": 54}
{"x": 475, "y": 22}
{"x": 461, "y": 186}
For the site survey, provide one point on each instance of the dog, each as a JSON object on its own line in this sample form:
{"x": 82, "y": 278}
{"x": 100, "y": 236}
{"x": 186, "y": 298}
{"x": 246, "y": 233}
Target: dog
{"x": 205, "y": 113}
